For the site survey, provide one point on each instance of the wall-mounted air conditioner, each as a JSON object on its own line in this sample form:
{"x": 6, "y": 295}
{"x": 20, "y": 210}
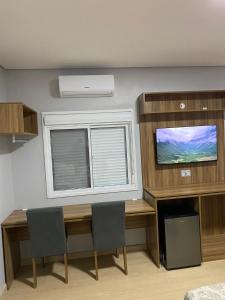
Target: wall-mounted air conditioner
{"x": 86, "y": 86}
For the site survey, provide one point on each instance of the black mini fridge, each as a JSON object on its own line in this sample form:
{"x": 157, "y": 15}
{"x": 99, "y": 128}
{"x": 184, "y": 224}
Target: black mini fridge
{"x": 182, "y": 246}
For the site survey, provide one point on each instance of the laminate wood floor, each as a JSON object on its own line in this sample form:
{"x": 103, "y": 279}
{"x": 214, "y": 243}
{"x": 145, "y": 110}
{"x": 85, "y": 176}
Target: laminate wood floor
{"x": 144, "y": 281}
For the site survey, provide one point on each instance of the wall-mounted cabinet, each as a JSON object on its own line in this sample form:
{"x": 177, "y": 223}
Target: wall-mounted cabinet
{"x": 173, "y": 102}
{"x": 17, "y": 119}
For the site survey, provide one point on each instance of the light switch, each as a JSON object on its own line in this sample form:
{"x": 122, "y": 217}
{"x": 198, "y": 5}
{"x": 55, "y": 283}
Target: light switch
{"x": 185, "y": 173}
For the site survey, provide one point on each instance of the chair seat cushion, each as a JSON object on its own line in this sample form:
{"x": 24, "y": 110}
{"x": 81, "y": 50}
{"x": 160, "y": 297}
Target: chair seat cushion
{"x": 210, "y": 292}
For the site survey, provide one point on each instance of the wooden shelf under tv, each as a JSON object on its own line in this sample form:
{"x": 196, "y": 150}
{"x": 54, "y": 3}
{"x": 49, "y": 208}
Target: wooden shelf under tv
{"x": 208, "y": 200}
{"x": 18, "y": 119}
{"x": 178, "y": 102}
{"x": 191, "y": 190}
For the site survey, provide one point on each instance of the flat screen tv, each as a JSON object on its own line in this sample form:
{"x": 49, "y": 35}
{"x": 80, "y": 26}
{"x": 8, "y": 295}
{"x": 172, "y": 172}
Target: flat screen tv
{"x": 186, "y": 144}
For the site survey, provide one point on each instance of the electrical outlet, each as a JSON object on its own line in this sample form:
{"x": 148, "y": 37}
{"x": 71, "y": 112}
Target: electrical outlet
{"x": 185, "y": 173}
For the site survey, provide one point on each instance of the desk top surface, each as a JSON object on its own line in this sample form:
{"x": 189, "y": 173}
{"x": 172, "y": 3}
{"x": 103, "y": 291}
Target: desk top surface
{"x": 187, "y": 191}
{"x": 81, "y": 212}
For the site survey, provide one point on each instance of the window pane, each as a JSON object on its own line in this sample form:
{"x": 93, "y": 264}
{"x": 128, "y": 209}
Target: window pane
{"x": 109, "y": 156}
{"x": 70, "y": 159}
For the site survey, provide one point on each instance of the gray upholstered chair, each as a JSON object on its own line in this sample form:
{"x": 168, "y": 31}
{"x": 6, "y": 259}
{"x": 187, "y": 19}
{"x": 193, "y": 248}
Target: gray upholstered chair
{"x": 47, "y": 235}
{"x": 108, "y": 229}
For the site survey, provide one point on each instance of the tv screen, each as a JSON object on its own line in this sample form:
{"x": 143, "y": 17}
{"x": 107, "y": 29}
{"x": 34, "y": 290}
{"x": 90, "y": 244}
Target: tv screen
{"x": 186, "y": 144}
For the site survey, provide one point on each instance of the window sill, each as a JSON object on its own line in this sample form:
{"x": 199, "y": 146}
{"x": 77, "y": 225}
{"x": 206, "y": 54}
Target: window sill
{"x": 85, "y": 192}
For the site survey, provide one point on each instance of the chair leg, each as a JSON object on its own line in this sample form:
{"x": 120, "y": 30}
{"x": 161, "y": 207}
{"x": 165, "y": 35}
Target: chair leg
{"x": 43, "y": 262}
{"x": 96, "y": 264}
{"x": 34, "y": 272}
{"x": 117, "y": 253}
{"x": 125, "y": 260}
{"x": 66, "y": 267}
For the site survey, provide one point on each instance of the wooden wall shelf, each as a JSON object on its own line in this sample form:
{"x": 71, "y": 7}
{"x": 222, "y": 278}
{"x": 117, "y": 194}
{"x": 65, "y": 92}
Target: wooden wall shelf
{"x": 177, "y": 102}
{"x": 17, "y": 119}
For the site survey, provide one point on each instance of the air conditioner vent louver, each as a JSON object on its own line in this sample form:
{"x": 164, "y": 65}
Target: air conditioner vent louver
{"x": 86, "y": 86}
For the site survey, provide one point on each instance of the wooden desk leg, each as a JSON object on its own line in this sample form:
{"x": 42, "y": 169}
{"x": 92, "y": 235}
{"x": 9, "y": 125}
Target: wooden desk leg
{"x": 11, "y": 250}
{"x": 8, "y": 261}
{"x": 152, "y": 239}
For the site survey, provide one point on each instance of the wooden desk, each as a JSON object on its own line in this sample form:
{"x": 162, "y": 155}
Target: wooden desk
{"x": 139, "y": 214}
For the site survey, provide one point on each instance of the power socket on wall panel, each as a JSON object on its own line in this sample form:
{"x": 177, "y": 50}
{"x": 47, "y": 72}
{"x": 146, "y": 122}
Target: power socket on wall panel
{"x": 185, "y": 173}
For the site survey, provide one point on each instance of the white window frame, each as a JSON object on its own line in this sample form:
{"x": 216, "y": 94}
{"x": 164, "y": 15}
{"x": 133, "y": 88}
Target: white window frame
{"x": 88, "y": 120}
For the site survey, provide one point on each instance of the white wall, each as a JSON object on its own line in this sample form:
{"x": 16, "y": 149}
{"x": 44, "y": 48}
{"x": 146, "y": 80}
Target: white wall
{"x": 38, "y": 89}
{"x": 6, "y": 186}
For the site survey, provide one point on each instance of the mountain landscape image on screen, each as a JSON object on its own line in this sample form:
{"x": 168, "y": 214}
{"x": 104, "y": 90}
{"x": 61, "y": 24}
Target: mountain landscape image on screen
{"x": 186, "y": 144}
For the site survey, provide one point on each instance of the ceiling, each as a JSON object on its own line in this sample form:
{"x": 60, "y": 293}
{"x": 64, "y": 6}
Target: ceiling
{"x": 40, "y": 34}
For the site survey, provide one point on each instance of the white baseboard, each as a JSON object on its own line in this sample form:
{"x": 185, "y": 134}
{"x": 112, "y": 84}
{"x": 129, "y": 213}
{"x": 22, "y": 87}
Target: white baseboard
{"x": 2, "y": 289}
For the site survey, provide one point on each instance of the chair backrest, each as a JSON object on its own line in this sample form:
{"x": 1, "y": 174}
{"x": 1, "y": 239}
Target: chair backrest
{"x": 108, "y": 225}
{"x": 47, "y": 231}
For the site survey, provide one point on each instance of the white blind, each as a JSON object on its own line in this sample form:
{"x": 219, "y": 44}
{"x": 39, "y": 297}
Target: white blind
{"x": 109, "y": 156}
{"x": 70, "y": 159}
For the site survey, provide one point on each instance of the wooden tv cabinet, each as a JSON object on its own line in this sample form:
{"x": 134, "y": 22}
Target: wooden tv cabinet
{"x": 164, "y": 185}
{"x": 206, "y": 199}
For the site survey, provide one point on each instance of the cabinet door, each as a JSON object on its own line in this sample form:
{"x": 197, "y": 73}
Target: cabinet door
{"x": 11, "y": 118}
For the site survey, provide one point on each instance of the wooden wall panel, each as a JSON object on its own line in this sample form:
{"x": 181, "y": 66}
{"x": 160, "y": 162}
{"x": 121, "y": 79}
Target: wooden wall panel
{"x": 155, "y": 176}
